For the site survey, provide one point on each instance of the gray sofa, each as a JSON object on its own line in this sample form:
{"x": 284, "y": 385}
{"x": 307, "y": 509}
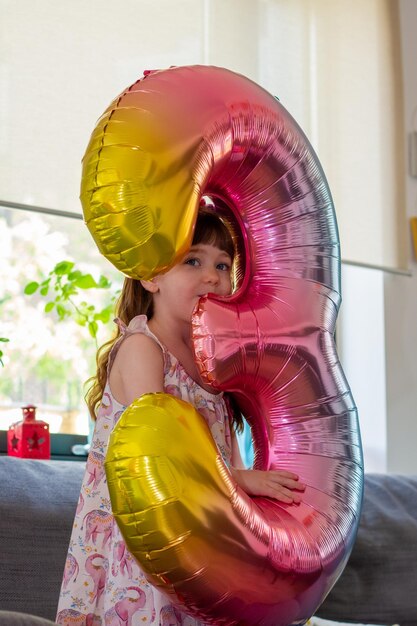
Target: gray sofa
{"x": 38, "y": 500}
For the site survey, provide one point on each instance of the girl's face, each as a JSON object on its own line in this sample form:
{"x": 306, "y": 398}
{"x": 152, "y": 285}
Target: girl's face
{"x": 205, "y": 269}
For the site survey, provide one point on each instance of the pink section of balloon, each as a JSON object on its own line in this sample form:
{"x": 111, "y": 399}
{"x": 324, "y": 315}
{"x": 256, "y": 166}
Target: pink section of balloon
{"x": 272, "y": 342}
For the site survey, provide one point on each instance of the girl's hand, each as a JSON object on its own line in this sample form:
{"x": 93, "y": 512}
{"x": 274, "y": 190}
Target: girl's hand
{"x": 278, "y": 484}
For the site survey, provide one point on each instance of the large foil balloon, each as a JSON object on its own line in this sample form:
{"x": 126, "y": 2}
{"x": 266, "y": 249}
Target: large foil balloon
{"x": 222, "y": 556}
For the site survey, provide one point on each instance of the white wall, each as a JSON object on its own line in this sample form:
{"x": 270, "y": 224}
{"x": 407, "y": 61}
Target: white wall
{"x": 377, "y": 330}
{"x": 361, "y": 348}
{"x": 401, "y": 294}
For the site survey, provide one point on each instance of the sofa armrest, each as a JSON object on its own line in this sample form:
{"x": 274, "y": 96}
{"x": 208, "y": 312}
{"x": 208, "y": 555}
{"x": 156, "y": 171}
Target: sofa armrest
{"x": 37, "y": 508}
{"x": 379, "y": 583}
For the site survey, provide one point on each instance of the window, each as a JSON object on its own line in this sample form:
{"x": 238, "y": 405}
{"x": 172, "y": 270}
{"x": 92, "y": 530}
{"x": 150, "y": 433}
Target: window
{"x": 47, "y": 361}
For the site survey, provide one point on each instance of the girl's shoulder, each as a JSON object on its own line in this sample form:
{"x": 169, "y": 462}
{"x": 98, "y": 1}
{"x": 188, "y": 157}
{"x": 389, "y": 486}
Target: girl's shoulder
{"x": 136, "y": 338}
{"x": 139, "y": 349}
{"x": 137, "y": 364}
{"x": 137, "y": 325}
{"x": 141, "y": 352}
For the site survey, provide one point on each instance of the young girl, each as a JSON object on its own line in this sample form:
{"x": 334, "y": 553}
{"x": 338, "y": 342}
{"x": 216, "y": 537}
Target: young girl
{"x": 103, "y": 585}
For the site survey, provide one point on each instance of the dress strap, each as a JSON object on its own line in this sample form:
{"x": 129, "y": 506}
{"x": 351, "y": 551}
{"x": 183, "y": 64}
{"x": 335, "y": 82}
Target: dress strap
{"x": 138, "y": 324}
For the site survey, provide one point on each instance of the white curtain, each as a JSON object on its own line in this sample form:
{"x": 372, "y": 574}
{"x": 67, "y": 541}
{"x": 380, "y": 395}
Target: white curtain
{"x": 334, "y": 64}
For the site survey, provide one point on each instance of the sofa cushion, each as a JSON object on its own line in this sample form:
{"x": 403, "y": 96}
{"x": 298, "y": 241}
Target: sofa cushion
{"x": 38, "y": 501}
{"x": 379, "y": 583}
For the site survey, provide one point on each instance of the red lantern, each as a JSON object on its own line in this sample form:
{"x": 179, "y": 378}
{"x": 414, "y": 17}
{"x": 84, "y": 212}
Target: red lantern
{"x": 29, "y": 438}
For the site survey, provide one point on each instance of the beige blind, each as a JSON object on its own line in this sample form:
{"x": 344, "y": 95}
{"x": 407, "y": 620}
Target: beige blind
{"x": 334, "y": 64}
{"x": 61, "y": 65}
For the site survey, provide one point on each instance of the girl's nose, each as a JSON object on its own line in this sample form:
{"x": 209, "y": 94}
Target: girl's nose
{"x": 211, "y": 276}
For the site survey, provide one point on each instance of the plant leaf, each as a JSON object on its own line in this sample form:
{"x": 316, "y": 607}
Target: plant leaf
{"x": 93, "y": 328}
{"x": 86, "y": 281}
{"x": 104, "y": 282}
{"x": 64, "y": 267}
{"x": 62, "y": 311}
{"x": 68, "y": 290}
{"x": 104, "y": 315}
{"x": 49, "y": 306}
{"x": 31, "y": 288}
{"x": 73, "y": 275}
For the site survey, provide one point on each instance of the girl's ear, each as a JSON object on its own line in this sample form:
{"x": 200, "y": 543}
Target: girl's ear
{"x": 149, "y": 285}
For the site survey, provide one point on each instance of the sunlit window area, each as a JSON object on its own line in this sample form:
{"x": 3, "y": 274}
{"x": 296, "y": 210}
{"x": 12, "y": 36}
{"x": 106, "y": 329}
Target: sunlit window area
{"x": 52, "y": 334}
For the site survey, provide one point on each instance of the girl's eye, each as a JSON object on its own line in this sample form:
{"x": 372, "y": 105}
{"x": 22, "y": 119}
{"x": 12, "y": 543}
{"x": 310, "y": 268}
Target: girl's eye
{"x": 192, "y": 261}
{"x": 224, "y": 267}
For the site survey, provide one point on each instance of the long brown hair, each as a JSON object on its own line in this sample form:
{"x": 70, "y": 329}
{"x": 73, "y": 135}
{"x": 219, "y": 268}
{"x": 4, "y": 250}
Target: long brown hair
{"x": 135, "y": 300}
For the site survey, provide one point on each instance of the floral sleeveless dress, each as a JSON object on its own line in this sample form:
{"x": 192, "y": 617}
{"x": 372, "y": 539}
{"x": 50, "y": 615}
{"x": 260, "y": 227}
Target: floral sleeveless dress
{"x": 102, "y": 584}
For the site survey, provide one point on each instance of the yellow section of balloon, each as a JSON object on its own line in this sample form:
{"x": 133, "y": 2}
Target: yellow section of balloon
{"x": 170, "y": 489}
{"x": 188, "y": 524}
{"x": 139, "y": 199}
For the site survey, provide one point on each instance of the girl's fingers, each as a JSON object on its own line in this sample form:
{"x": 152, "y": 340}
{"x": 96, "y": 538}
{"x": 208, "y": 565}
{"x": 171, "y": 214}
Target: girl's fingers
{"x": 288, "y": 498}
{"x": 278, "y": 484}
{"x": 280, "y": 492}
{"x": 288, "y": 482}
{"x": 285, "y": 474}
{"x": 282, "y": 498}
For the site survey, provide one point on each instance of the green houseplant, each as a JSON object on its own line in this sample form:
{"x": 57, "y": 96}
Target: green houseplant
{"x": 62, "y": 288}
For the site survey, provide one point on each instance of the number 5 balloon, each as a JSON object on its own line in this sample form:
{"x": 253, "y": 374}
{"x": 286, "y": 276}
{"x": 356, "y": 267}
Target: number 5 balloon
{"x": 222, "y": 556}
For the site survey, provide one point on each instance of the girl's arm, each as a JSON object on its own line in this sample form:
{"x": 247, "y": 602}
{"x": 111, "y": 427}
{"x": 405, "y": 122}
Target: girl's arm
{"x": 237, "y": 462}
{"x": 137, "y": 369}
{"x": 277, "y": 484}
